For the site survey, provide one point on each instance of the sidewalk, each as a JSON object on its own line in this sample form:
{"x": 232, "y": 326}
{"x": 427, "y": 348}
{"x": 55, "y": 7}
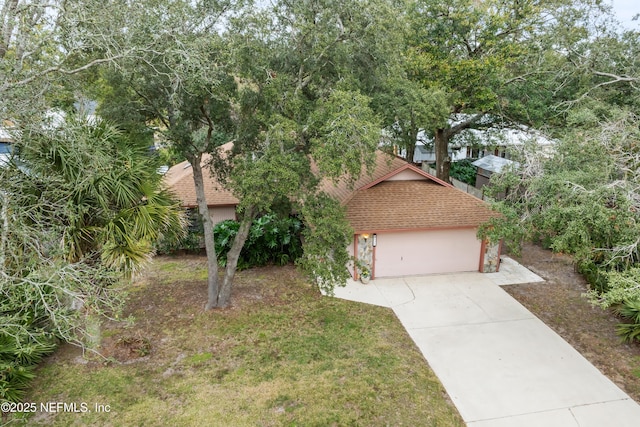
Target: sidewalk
{"x": 499, "y": 363}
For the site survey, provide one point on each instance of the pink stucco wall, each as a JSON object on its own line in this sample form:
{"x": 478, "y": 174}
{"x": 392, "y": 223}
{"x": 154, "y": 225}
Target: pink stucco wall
{"x": 426, "y": 252}
{"x": 220, "y": 213}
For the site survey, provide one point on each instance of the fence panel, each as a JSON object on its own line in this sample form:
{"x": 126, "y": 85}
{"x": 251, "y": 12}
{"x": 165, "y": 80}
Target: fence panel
{"x": 470, "y": 189}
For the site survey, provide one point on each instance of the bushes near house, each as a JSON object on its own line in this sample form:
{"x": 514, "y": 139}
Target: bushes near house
{"x": 190, "y": 241}
{"x": 272, "y": 240}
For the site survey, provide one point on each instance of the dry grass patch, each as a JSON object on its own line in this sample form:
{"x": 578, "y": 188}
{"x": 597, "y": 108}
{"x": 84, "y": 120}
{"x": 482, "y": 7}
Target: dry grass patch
{"x": 281, "y": 355}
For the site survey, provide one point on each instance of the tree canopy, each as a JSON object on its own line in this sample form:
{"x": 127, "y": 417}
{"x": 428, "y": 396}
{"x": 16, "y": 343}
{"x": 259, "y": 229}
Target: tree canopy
{"x": 497, "y": 63}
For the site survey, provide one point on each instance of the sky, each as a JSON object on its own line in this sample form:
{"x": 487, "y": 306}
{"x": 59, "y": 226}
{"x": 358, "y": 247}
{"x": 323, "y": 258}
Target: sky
{"x": 625, "y": 10}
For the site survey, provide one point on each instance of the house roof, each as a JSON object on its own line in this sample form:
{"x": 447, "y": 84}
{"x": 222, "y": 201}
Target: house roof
{"x": 385, "y": 166}
{"x": 493, "y": 163}
{"x": 375, "y": 202}
{"x": 399, "y": 196}
{"x": 343, "y": 191}
{"x": 414, "y": 205}
{"x": 179, "y": 179}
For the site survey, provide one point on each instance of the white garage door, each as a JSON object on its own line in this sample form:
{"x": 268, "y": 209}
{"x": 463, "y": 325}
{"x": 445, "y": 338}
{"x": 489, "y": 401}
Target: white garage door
{"x": 426, "y": 252}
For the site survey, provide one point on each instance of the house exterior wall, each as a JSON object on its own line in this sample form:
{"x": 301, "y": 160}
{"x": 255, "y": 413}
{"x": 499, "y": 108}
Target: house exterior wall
{"x": 221, "y": 213}
{"x": 482, "y": 178}
{"x": 406, "y": 175}
{"x": 426, "y": 252}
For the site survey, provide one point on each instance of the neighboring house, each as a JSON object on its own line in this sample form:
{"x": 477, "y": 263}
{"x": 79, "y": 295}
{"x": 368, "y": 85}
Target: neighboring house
{"x": 221, "y": 202}
{"x": 474, "y": 144}
{"x": 407, "y": 222}
{"x": 5, "y": 145}
{"x": 426, "y": 154}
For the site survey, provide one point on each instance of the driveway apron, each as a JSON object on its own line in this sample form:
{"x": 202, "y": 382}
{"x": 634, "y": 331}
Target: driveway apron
{"x": 499, "y": 363}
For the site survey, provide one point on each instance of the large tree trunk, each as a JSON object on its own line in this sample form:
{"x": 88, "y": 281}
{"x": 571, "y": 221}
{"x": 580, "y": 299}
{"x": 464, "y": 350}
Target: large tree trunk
{"x": 411, "y": 142}
{"x": 233, "y": 255}
{"x": 443, "y": 161}
{"x": 207, "y": 224}
{"x": 411, "y": 148}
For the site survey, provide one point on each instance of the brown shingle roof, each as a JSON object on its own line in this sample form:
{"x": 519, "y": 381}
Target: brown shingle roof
{"x": 411, "y": 205}
{"x": 385, "y": 164}
{"x": 179, "y": 179}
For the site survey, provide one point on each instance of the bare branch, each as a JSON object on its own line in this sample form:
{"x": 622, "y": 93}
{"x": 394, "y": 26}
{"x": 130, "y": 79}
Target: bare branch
{"x": 60, "y": 70}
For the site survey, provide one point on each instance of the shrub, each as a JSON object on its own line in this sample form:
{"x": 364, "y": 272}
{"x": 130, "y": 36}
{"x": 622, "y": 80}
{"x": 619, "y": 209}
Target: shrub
{"x": 271, "y": 240}
{"x": 464, "y": 171}
{"x": 629, "y": 310}
{"x": 19, "y": 354}
{"x": 595, "y": 275}
{"x": 176, "y": 240}
{"x": 621, "y": 286}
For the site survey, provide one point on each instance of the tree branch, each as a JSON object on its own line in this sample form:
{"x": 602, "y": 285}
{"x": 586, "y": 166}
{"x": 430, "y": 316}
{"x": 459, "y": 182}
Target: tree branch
{"x": 58, "y": 69}
{"x": 465, "y": 124}
{"x": 614, "y": 78}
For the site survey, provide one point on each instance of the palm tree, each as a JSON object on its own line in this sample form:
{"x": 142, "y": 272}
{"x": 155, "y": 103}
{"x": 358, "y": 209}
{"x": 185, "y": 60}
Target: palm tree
{"x": 80, "y": 205}
{"x": 116, "y": 207}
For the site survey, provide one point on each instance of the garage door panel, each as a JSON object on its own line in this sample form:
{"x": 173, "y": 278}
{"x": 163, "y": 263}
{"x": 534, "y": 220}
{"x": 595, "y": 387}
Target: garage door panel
{"x": 426, "y": 252}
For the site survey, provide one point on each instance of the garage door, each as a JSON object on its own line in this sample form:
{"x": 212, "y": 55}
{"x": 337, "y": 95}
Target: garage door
{"x": 426, "y": 252}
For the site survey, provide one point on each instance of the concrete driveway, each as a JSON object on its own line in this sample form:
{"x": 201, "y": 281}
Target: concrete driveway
{"x": 499, "y": 363}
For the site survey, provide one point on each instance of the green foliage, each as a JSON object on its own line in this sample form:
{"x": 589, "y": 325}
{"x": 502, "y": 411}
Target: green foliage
{"x": 271, "y": 240}
{"x": 505, "y": 227}
{"x": 264, "y": 177}
{"x": 619, "y": 287}
{"x": 115, "y": 205}
{"x": 409, "y": 107}
{"x": 596, "y": 275}
{"x": 464, "y": 171}
{"x": 630, "y": 310}
{"x": 583, "y": 201}
{"x": 326, "y": 236}
{"x": 347, "y": 135}
{"x": 19, "y": 354}
{"x": 79, "y": 206}
{"x": 176, "y": 240}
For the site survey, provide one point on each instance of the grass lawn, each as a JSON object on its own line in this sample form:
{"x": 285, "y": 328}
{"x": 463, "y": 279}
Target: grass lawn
{"x": 282, "y": 355}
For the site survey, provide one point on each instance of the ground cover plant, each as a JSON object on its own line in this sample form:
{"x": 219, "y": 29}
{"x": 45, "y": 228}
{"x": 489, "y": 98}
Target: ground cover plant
{"x": 281, "y": 354}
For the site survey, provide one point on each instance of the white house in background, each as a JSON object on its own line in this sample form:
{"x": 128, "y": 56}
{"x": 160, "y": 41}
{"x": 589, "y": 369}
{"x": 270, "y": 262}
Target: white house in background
{"x": 5, "y": 144}
{"x": 475, "y": 143}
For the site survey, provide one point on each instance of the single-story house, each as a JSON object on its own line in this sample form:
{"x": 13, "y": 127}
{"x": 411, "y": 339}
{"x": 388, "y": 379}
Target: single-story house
{"x": 221, "y": 202}
{"x": 407, "y": 222}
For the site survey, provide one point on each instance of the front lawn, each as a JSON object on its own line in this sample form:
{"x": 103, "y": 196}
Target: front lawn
{"x": 281, "y": 355}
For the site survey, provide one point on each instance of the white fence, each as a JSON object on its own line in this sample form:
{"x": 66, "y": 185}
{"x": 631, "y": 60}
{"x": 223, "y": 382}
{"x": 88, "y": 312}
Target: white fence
{"x": 460, "y": 185}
